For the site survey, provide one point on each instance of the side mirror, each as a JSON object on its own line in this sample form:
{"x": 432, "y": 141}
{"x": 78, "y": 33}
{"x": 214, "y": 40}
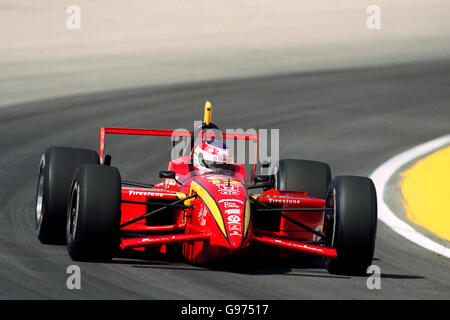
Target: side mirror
{"x": 264, "y": 181}
{"x": 107, "y": 161}
{"x": 167, "y": 174}
{"x": 263, "y": 178}
{"x": 265, "y": 164}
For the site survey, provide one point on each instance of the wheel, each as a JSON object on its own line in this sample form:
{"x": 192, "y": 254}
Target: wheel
{"x": 93, "y": 214}
{"x": 56, "y": 170}
{"x": 351, "y": 227}
{"x": 313, "y": 177}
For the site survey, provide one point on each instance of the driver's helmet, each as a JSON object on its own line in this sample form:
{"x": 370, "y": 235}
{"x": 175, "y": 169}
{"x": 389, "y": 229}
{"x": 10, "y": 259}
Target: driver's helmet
{"x": 210, "y": 156}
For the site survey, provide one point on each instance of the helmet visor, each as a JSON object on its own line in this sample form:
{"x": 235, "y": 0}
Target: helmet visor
{"x": 217, "y": 165}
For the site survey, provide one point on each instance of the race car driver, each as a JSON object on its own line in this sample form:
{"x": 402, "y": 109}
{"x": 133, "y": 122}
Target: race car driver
{"x": 210, "y": 156}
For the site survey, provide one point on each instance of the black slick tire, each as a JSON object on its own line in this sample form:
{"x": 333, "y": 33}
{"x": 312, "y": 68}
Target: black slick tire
{"x": 93, "y": 214}
{"x": 56, "y": 170}
{"x": 351, "y": 227}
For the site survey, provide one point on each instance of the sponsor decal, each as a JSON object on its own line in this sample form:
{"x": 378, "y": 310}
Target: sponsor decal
{"x": 202, "y": 216}
{"x": 228, "y": 204}
{"x": 234, "y": 219}
{"x": 233, "y": 211}
{"x": 231, "y": 200}
{"x": 146, "y": 193}
{"x": 284, "y": 201}
{"x": 234, "y": 227}
{"x": 229, "y": 190}
{"x": 200, "y": 212}
{"x": 234, "y": 222}
{"x": 214, "y": 177}
{"x": 171, "y": 182}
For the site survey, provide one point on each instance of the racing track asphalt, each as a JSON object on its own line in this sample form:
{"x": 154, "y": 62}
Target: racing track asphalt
{"x": 352, "y": 119}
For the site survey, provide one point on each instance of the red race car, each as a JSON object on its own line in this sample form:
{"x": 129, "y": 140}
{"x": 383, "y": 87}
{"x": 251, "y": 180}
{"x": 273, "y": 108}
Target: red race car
{"x": 203, "y": 207}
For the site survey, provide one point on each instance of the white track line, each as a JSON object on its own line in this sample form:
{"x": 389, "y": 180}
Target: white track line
{"x": 381, "y": 176}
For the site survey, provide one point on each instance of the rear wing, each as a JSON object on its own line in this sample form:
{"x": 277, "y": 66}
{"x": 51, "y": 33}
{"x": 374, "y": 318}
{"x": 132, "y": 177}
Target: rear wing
{"x": 174, "y": 133}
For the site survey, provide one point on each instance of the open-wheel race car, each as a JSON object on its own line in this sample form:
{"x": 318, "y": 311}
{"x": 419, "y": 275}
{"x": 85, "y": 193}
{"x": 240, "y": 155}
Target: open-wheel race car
{"x": 204, "y": 207}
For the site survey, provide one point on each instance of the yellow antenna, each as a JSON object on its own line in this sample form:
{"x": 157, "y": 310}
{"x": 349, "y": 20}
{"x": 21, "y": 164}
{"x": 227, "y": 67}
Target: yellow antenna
{"x": 208, "y": 111}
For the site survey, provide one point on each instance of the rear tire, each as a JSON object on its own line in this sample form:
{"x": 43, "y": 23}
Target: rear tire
{"x": 56, "y": 170}
{"x": 313, "y": 177}
{"x": 93, "y": 214}
{"x": 351, "y": 228}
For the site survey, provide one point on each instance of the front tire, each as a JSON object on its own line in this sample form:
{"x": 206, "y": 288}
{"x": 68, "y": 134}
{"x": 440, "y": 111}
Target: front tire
{"x": 93, "y": 214}
{"x": 351, "y": 228}
{"x": 56, "y": 170}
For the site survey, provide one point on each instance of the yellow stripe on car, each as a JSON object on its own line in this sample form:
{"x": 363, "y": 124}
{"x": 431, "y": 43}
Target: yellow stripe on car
{"x": 426, "y": 193}
{"x": 211, "y": 204}
{"x": 246, "y": 218}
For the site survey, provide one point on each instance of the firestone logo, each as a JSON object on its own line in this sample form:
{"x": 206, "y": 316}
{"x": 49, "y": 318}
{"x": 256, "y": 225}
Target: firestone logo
{"x": 284, "y": 201}
{"x": 145, "y": 193}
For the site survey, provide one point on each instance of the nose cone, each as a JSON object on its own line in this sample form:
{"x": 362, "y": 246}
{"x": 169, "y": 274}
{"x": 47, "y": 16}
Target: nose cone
{"x": 227, "y": 203}
{"x": 236, "y": 214}
{"x": 235, "y": 241}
